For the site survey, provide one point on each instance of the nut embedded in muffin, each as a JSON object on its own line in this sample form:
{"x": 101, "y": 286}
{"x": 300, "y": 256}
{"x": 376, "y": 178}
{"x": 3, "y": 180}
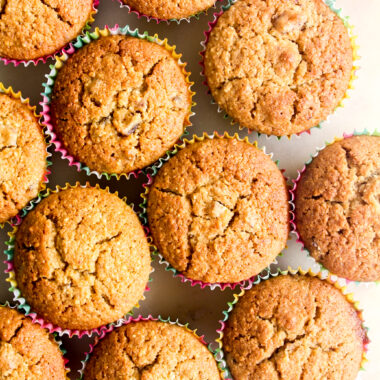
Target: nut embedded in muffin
{"x": 337, "y": 208}
{"x": 119, "y": 103}
{"x": 30, "y": 29}
{"x": 278, "y": 67}
{"x": 81, "y": 258}
{"x": 22, "y": 156}
{"x": 151, "y": 350}
{"x": 294, "y": 327}
{"x": 218, "y": 211}
{"x": 27, "y": 351}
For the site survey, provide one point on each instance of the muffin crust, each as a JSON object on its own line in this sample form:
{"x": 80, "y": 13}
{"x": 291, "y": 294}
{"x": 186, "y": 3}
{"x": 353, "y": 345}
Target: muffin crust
{"x": 120, "y": 103}
{"x": 27, "y": 352}
{"x": 338, "y": 209}
{"x": 218, "y": 211}
{"x": 278, "y": 67}
{"x": 294, "y": 327}
{"x": 81, "y": 258}
{"x": 22, "y": 156}
{"x": 31, "y": 29}
{"x": 151, "y": 350}
{"x": 169, "y": 9}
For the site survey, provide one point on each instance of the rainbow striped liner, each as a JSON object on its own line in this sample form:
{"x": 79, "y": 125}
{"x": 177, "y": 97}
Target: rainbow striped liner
{"x": 355, "y": 67}
{"x": 65, "y": 49}
{"x": 322, "y": 275}
{"x": 140, "y": 318}
{"x": 151, "y": 173}
{"x": 22, "y": 304}
{"x": 293, "y": 190}
{"x": 61, "y": 60}
{"x": 17, "y": 95}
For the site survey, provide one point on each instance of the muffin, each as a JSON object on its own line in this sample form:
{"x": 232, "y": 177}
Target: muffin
{"x": 22, "y": 156}
{"x": 278, "y": 67}
{"x": 120, "y": 103}
{"x": 294, "y": 327}
{"x": 151, "y": 350}
{"x": 30, "y": 29}
{"x": 26, "y": 350}
{"x": 169, "y": 9}
{"x": 81, "y": 258}
{"x": 218, "y": 211}
{"x": 337, "y": 208}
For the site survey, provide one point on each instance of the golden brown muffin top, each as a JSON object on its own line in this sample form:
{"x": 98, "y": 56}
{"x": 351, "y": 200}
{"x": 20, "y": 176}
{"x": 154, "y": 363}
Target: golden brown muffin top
{"x": 279, "y": 66}
{"x": 27, "y": 352}
{"x": 218, "y": 211}
{"x": 169, "y": 9}
{"x": 81, "y": 258}
{"x": 294, "y": 327}
{"x": 120, "y": 103}
{"x": 22, "y": 156}
{"x": 31, "y": 29}
{"x": 338, "y": 208}
{"x": 151, "y": 350}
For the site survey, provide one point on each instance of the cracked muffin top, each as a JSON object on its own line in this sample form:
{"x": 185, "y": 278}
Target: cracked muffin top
{"x": 338, "y": 208}
{"x": 278, "y": 66}
{"x": 31, "y": 29}
{"x": 150, "y": 350}
{"x": 218, "y": 211}
{"x": 27, "y": 352}
{"x": 294, "y": 327}
{"x": 169, "y": 9}
{"x": 22, "y": 156}
{"x": 120, "y": 103}
{"x": 81, "y": 258}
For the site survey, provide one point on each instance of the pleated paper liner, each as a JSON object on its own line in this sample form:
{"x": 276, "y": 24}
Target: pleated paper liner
{"x": 355, "y": 68}
{"x": 293, "y": 190}
{"x": 67, "y": 49}
{"x": 61, "y": 60}
{"x": 140, "y": 318}
{"x": 148, "y": 18}
{"x": 322, "y": 275}
{"x": 55, "y": 337}
{"x": 17, "y": 95}
{"x": 21, "y": 302}
{"x": 151, "y": 173}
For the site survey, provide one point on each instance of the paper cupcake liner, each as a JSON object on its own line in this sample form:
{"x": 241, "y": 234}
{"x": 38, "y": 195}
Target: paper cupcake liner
{"x": 10, "y": 92}
{"x": 167, "y": 21}
{"x": 323, "y": 275}
{"x": 55, "y": 337}
{"x": 139, "y": 318}
{"x": 81, "y": 41}
{"x": 22, "y": 304}
{"x": 350, "y": 88}
{"x": 293, "y": 190}
{"x": 64, "y": 50}
{"x": 151, "y": 172}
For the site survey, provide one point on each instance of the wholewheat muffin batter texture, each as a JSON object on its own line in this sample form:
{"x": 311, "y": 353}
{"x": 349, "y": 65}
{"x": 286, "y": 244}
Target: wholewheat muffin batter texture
{"x": 169, "y": 9}
{"x": 31, "y": 29}
{"x": 27, "y": 352}
{"x": 120, "y": 103}
{"x": 338, "y": 208}
{"x": 293, "y": 328}
{"x": 151, "y": 350}
{"x": 81, "y": 258}
{"x": 22, "y": 156}
{"x": 218, "y": 211}
{"x": 278, "y": 66}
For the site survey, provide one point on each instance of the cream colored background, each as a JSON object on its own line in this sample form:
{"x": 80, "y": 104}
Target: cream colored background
{"x": 169, "y": 297}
